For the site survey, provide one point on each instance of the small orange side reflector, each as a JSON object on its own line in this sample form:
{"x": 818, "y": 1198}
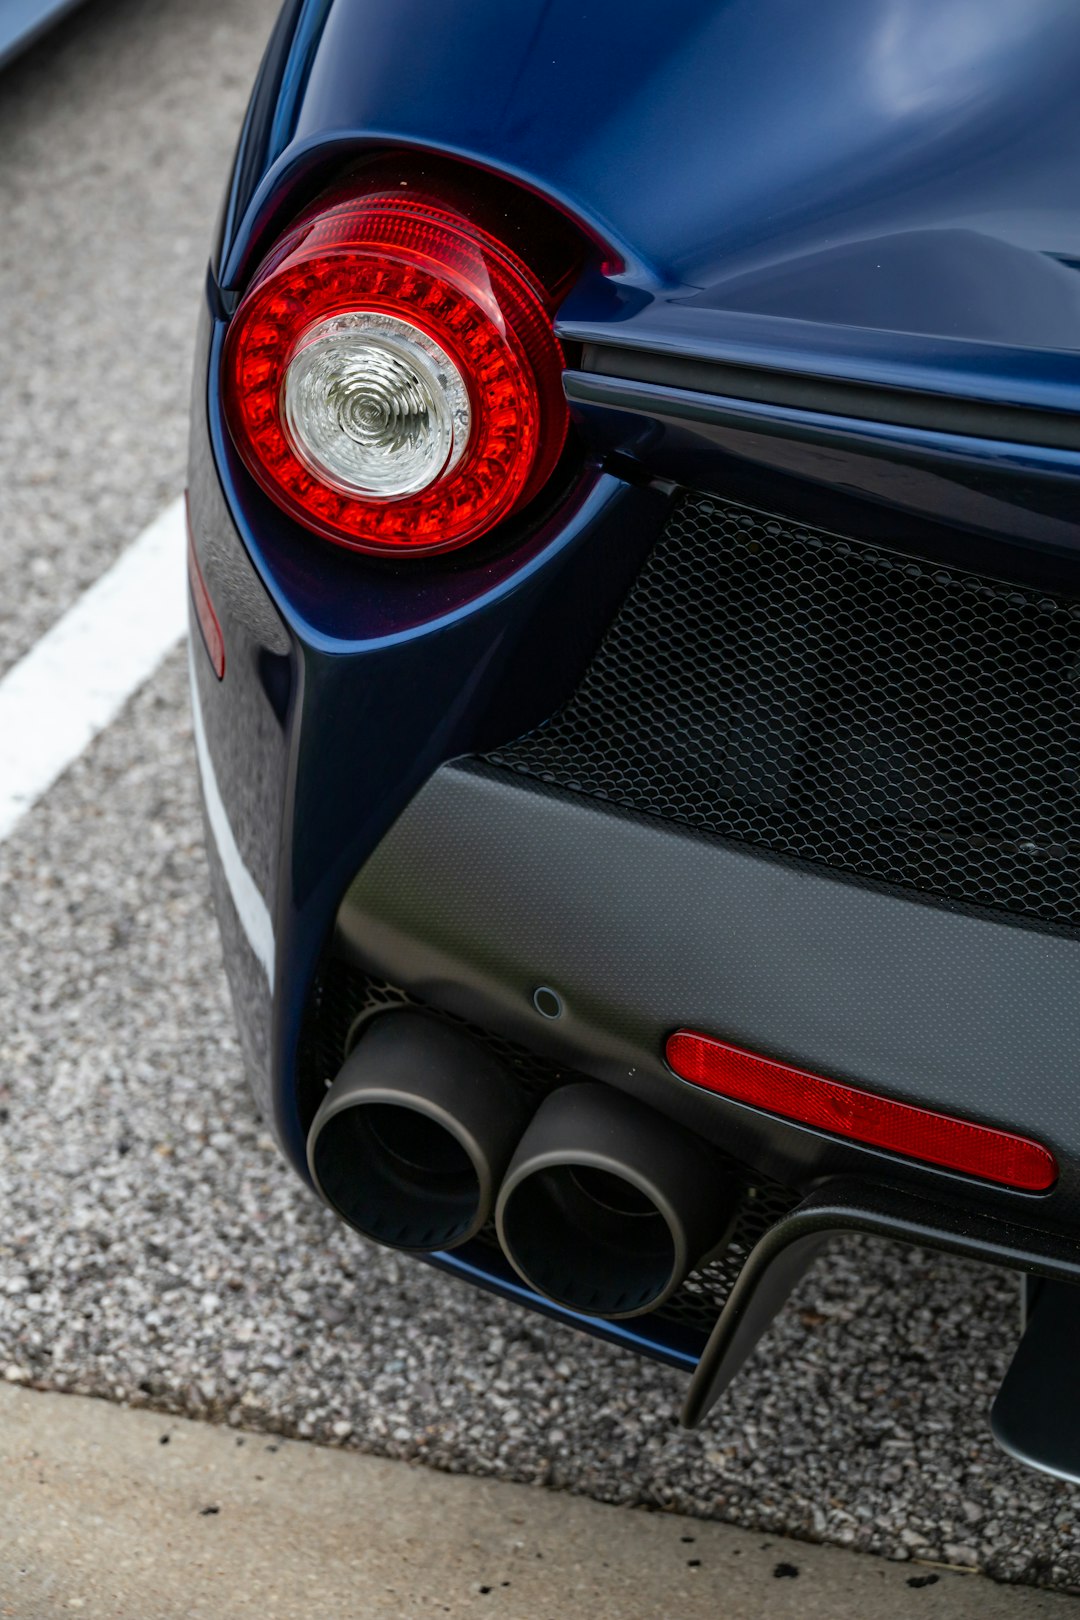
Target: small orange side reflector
{"x": 213, "y": 639}
{"x": 808, "y": 1099}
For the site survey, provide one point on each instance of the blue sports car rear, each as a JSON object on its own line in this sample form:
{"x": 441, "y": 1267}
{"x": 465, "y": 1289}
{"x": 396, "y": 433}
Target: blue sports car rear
{"x": 636, "y": 583}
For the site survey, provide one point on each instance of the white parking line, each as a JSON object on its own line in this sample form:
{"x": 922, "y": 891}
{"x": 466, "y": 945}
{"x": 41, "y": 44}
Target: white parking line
{"x": 77, "y": 678}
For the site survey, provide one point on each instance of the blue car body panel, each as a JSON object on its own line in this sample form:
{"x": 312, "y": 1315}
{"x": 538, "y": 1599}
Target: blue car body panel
{"x": 878, "y": 194}
{"x": 21, "y": 21}
{"x": 905, "y": 165}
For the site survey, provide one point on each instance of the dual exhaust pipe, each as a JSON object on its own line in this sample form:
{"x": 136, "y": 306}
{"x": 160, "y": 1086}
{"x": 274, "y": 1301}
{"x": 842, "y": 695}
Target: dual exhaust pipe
{"x": 601, "y": 1204}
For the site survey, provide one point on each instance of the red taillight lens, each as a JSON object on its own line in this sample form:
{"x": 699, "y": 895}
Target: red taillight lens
{"x": 392, "y": 377}
{"x": 952, "y": 1144}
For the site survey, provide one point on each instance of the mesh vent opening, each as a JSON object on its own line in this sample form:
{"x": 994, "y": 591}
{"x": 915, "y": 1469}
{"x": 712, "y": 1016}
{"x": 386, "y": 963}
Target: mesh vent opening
{"x": 832, "y": 701}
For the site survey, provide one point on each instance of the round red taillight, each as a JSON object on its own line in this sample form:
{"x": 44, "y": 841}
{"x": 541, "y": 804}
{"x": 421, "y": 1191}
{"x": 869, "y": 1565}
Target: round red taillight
{"x": 392, "y": 376}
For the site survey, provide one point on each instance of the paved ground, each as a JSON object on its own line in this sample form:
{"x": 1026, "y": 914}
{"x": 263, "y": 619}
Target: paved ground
{"x": 152, "y": 1247}
{"x": 116, "y": 133}
{"x": 120, "y": 1513}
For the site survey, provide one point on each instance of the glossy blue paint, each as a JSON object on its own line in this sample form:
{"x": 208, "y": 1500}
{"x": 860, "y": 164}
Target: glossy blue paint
{"x": 21, "y": 21}
{"x": 663, "y": 1340}
{"x": 295, "y": 71}
{"x": 994, "y": 492}
{"x": 602, "y": 310}
{"x": 903, "y": 165}
{"x": 255, "y": 147}
{"x": 881, "y": 190}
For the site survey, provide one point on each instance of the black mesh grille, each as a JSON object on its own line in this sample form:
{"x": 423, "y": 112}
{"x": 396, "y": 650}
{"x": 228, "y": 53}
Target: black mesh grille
{"x": 343, "y": 996}
{"x": 833, "y": 701}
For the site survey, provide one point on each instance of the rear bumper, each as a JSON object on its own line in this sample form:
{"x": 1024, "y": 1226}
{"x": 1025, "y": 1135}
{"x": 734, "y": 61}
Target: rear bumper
{"x": 489, "y": 886}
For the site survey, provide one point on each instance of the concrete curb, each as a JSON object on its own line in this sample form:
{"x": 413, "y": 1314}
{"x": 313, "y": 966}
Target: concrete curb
{"x": 111, "y": 1512}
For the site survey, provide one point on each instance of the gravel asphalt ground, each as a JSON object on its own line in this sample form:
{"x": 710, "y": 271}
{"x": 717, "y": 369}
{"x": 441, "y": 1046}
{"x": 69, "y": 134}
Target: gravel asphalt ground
{"x": 116, "y": 133}
{"x": 153, "y": 1248}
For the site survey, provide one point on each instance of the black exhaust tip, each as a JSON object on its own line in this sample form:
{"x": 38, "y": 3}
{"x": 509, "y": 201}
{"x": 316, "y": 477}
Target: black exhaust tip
{"x": 414, "y": 1135}
{"x": 607, "y": 1204}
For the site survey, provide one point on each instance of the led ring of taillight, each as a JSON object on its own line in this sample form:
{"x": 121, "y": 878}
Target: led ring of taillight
{"x": 392, "y": 377}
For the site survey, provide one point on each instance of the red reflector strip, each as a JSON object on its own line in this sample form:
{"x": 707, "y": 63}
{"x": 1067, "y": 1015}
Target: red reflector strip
{"x": 213, "y": 640}
{"x": 953, "y": 1144}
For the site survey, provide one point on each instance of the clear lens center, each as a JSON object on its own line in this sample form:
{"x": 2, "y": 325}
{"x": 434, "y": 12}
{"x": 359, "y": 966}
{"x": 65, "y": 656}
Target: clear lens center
{"x": 374, "y": 407}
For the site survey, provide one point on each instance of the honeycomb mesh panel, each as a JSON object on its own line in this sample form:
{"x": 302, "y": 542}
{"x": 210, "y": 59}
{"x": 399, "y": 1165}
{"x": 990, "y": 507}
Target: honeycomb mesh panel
{"x": 836, "y": 702}
{"x": 342, "y": 998}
